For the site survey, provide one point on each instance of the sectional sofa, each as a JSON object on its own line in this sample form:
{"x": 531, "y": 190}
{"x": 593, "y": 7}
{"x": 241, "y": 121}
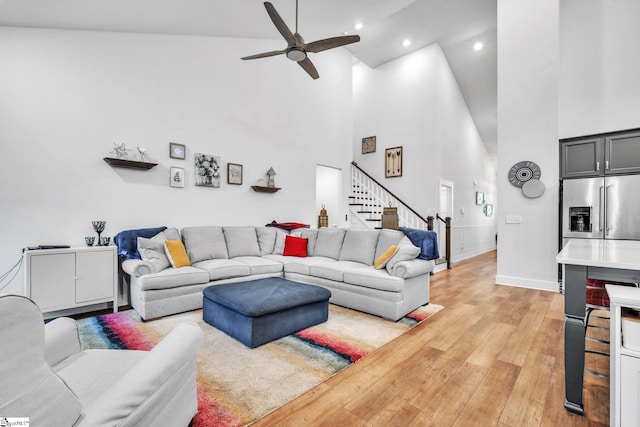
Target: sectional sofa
{"x": 341, "y": 260}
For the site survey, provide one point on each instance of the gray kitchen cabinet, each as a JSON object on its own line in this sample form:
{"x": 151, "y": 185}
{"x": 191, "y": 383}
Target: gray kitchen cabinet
{"x": 606, "y": 154}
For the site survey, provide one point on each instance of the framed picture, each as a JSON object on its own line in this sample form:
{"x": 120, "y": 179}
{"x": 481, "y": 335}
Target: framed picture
{"x": 176, "y": 177}
{"x": 488, "y": 209}
{"x": 234, "y": 174}
{"x": 479, "y": 198}
{"x": 207, "y": 170}
{"x": 393, "y": 162}
{"x": 177, "y": 151}
{"x": 369, "y": 145}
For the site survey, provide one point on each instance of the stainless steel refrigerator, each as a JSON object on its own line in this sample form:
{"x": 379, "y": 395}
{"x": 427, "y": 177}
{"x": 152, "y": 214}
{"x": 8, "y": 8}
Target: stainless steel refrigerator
{"x": 601, "y": 208}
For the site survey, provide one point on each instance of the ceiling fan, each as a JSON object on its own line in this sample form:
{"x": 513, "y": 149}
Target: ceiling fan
{"x": 297, "y": 49}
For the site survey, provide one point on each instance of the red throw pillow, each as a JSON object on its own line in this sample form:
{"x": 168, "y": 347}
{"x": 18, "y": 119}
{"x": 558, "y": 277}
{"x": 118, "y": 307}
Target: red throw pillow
{"x": 295, "y": 246}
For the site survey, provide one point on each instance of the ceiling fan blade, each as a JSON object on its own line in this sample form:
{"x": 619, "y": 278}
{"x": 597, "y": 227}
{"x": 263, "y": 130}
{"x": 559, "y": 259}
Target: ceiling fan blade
{"x": 308, "y": 66}
{"x": 330, "y": 43}
{"x": 280, "y": 25}
{"x": 264, "y": 55}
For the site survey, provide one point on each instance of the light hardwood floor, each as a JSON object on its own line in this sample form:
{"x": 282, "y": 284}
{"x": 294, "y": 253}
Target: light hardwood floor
{"x": 493, "y": 356}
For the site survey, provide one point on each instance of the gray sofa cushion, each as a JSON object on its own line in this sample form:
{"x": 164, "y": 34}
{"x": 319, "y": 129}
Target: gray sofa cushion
{"x": 205, "y": 242}
{"x": 406, "y": 251}
{"x": 266, "y": 239}
{"x": 152, "y": 251}
{"x": 224, "y": 268}
{"x": 173, "y": 278}
{"x": 329, "y": 242}
{"x": 359, "y": 245}
{"x": 300, "y": 265}
{"x": 333, "y": 270}
{"x": 386, "y": 239}
{"x": 241, "y": 241}
{"x": 369, "y": 277}
{"x": 278, "y": 248}
{"x": 260, "y": 265}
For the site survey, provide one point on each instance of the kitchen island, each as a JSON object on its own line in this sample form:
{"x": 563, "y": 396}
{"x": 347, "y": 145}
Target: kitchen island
{"x": 610, "y": 260}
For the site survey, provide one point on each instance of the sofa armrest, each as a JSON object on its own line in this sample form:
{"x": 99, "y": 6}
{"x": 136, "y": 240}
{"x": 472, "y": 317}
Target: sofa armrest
{"x": 151, "y": 384}
{"x": 412, "y": 268}
{"x": 61, "y": 340}
{"x": 138, "y": 267}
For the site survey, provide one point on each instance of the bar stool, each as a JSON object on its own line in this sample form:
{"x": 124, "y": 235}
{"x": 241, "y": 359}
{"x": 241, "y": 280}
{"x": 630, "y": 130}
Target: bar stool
{"x": 598, "y": 300}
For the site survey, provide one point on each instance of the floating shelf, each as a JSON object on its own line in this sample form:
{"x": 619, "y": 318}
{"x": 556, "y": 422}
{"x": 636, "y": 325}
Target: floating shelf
{"x": 261, "y": 189}
{"x": 129, "y": 164}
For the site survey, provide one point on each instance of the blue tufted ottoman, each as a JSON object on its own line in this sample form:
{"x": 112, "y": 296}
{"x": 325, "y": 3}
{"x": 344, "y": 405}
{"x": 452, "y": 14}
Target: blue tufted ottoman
{"x": 259, "y": 311}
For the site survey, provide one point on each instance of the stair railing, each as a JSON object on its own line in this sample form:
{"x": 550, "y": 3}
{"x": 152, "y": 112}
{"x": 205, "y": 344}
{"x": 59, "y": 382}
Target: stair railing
{"x": 372, "y": 195}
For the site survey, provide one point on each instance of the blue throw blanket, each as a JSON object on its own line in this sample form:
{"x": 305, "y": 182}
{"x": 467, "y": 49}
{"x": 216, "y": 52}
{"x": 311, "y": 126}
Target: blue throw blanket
{"x": 127, "y": 241}
{"x": 426, "y": 240}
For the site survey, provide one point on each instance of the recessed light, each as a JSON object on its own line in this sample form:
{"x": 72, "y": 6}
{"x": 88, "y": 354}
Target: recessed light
{"x": 477, "y": 46}
{"x": 406, "y": 43}
{"x": 359, "y": 26}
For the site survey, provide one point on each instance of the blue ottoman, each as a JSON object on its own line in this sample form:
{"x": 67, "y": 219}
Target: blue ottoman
{"x": 259, "y": 311}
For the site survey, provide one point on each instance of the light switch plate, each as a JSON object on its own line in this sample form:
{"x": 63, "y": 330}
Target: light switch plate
{"x": 513, "y": 219}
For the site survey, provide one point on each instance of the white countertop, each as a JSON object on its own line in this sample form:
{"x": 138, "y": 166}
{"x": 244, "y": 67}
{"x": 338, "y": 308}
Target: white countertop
{"x": 626, "y": 296}
{"x": 623, "y": 254}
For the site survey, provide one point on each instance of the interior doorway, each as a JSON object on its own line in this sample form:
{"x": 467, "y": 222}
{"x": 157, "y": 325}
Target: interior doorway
{"x": 329, "y": 194}
{"x": 445, "y": 209}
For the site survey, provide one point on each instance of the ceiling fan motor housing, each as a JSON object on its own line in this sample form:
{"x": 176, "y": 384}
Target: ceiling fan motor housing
{"x": 296, "y": 54}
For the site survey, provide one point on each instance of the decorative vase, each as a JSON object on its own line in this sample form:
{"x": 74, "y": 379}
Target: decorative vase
{"x": 89, "y": 240}
{"x": 98, "y": 227}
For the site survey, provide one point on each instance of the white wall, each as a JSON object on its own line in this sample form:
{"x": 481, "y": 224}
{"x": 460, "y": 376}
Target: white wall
{"x": 67, "y": 96}
{"x": 415, "y": 102}
{"x": 528, "y": 60}
{"x": 599, "y": 66}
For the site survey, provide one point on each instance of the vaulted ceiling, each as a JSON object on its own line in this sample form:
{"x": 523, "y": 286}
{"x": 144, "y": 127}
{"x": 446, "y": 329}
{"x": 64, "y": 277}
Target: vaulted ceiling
{"x": 456, "y": 25}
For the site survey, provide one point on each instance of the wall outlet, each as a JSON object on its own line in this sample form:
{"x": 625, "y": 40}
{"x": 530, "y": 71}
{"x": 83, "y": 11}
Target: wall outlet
{"x": 513, "y": 219}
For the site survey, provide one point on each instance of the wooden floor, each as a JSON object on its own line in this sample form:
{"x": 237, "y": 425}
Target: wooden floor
{"x": 493, "y": 356}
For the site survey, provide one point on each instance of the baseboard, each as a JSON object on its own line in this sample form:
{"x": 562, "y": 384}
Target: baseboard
{"x": 462, "y": 256}
{"x": 520, "y": 282}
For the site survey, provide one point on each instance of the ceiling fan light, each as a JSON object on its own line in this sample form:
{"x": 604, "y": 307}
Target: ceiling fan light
{"x": 296, "y": 55}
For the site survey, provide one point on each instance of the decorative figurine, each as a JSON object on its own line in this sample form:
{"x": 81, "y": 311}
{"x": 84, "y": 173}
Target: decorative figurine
{"x": 120, "y": 150}
{"x": 143, "y": 153}
{"x": 271, "y": 182}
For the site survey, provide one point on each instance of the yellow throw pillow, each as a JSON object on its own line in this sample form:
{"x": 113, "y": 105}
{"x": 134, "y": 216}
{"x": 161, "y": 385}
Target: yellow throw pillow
{"x": 383, "y": 259}
{"x": 176, "y": 253}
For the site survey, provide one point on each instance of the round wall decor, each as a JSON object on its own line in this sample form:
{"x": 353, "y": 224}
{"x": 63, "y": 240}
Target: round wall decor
{"x": 522, "y": 172}
{"x": 533, "y": 188}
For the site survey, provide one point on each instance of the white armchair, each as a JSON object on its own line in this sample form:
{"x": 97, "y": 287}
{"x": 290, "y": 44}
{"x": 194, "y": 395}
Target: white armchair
{"x": 47, "y": 377}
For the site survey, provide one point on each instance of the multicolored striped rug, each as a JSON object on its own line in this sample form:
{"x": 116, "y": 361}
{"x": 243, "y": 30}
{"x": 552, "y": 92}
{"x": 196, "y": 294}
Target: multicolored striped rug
{"x": 238, "y": 385}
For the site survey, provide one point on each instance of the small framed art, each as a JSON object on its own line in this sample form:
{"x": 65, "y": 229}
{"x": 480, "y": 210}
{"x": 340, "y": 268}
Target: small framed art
{"x": 479, "y": 198}
{"x": 234, "y": 174}
{"x": 369, "y": 145}
{"x": 176, "y": 177}
{"x": 393, "y": 162}
{"x": 177, "y": 151}
{"x": 488, "y": 209}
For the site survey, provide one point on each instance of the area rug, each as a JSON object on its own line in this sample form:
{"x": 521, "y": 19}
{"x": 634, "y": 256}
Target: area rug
{"x": 238, "y": 385}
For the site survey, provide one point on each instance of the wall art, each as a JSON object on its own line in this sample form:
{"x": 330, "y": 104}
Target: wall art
{"x": 207, "y": 170}
{"x": 479, "y": 198}
{"x": 176, "y": 175}
{"x": 234, "y": 174}
{"x": 177, "y": 151}
{"x": 488, "y": 209}
{"x": 393, "y": 162}
{"x": 369, "y": 145}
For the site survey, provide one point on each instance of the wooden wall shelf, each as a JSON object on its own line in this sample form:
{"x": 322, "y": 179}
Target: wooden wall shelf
{"x": 129, "y": 164}
{"x": 261, "y": 189}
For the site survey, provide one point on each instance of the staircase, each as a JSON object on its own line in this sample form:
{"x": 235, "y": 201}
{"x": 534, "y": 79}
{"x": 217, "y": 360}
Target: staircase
{"x": 369, "y": 198}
